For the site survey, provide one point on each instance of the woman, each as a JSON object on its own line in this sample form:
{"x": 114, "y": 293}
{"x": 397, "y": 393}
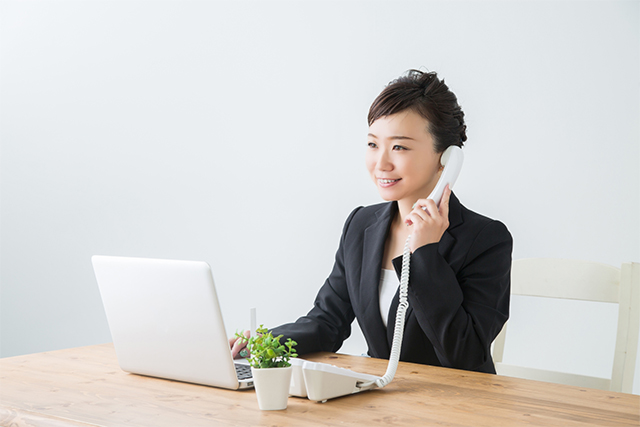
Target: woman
{"x": 460, "y": 261}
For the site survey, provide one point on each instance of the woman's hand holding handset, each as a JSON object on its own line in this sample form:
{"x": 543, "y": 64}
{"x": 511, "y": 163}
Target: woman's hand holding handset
{"x": 428, "y": 222}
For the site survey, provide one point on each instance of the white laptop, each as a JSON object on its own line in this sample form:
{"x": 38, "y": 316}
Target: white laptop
{"x": 165, "y": 320}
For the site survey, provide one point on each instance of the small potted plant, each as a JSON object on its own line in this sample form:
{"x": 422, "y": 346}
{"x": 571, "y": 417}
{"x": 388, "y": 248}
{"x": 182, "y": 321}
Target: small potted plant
{"x": 270, "y": 367}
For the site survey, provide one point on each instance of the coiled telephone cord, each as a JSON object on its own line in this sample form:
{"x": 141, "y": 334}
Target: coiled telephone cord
{"x": 398, "y": 331}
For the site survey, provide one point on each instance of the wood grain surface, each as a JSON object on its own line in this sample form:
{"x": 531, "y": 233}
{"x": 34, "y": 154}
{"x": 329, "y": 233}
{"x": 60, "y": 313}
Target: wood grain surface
{"x": 85, "y": 387}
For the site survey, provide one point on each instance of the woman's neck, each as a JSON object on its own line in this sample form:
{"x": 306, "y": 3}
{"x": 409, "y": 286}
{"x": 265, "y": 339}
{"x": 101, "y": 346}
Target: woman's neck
{"x": 405, "y": 206}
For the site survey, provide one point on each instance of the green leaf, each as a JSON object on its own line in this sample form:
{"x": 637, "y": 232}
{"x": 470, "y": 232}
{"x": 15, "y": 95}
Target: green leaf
{"x": 266, "y": 350}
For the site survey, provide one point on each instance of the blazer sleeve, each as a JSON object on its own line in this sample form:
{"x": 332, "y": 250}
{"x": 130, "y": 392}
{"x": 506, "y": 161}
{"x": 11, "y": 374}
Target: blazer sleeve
{"x": 328, "y": 323}
{"x": 462, "y": 312}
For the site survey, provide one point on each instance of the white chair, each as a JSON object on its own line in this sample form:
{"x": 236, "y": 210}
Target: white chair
{"x": 586, "y": 281}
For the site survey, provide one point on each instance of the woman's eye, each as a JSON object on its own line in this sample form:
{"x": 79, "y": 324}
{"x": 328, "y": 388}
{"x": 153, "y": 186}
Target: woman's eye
{"x": 399, "y": 147}
{"x": 371, "y": 144}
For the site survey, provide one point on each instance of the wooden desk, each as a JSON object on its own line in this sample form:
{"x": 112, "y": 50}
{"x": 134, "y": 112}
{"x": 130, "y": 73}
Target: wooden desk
{"x": 85, "y": 387}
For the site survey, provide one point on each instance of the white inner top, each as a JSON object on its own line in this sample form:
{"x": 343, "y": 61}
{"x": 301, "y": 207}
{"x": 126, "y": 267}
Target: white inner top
{"x": 388, "y": 287}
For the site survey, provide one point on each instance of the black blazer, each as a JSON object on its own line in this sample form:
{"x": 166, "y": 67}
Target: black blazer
{"x": 458, "y": 292}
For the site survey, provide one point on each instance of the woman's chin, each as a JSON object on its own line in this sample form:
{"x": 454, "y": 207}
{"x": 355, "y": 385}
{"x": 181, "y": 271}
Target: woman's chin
{"x": 388, "y": 197}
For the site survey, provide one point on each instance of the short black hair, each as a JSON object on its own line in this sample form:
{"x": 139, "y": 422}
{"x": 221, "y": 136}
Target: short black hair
{"x": 427, "y": 95}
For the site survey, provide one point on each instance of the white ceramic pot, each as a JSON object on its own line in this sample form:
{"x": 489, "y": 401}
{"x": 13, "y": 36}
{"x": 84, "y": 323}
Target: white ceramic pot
{"x": 272, "y": 387}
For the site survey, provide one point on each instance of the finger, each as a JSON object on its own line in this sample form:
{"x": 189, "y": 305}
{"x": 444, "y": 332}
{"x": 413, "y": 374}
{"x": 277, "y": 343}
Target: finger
{"x": 417, "y": 216}
{"x": 238, "y": 344}
{"x": 237, "y": 348}
{"x": 429, "y": 207}
{"x": 234, "y": 340}
{"x": 244, "y": 351}
{"x": 419, "y": 212}
{"x": 444, "y": 203}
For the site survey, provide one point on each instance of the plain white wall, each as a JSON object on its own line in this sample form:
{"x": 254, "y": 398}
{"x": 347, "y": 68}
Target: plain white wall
{"x": 234, "y": 133}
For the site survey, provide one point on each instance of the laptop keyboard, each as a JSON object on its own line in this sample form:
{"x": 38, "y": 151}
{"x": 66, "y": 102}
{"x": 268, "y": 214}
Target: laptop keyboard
{"x": 243, "y": 371}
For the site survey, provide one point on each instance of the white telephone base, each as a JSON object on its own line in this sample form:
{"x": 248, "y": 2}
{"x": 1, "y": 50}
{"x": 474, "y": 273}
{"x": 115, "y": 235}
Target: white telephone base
{"x": 323, "y": 381}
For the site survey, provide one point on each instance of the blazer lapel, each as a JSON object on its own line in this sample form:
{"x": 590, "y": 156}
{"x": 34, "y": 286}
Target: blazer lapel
{"x": 444, "y": 246}
{"x": 455, "y": 219}
{"x": 373, "y": 251}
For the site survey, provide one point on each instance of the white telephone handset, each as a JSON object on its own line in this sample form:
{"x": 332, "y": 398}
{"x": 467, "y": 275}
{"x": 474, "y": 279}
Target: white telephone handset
{"x": 325, "y": 381}
{"x": 451, "y": 159}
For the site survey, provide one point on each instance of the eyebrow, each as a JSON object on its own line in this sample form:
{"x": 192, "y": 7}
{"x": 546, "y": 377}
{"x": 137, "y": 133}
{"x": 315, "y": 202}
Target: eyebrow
{"x": 395, "y": 137}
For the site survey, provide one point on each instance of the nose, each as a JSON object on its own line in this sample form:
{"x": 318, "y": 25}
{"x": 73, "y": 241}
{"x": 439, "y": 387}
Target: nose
{"x": 384, "y": 162}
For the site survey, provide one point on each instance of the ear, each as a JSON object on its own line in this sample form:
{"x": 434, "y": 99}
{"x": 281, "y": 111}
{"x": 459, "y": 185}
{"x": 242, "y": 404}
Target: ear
{"x": 440, "y": 160}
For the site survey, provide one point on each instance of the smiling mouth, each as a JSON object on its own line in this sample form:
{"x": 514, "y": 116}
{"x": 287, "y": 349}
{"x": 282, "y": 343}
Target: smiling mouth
{"x": 388, "y": 181}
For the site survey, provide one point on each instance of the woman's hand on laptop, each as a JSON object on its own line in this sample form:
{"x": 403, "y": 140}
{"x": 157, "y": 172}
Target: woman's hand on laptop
{"x": 237, "y": 346}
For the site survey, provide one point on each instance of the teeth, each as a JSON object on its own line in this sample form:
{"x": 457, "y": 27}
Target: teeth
{"x": 388, "y": 181}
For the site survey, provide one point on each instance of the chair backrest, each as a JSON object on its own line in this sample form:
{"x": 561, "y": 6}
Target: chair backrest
{"x": 587, "y": 281}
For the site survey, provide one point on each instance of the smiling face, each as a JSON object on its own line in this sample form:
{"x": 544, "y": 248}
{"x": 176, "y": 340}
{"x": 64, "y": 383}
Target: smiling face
{"x": 401, "y": 158}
